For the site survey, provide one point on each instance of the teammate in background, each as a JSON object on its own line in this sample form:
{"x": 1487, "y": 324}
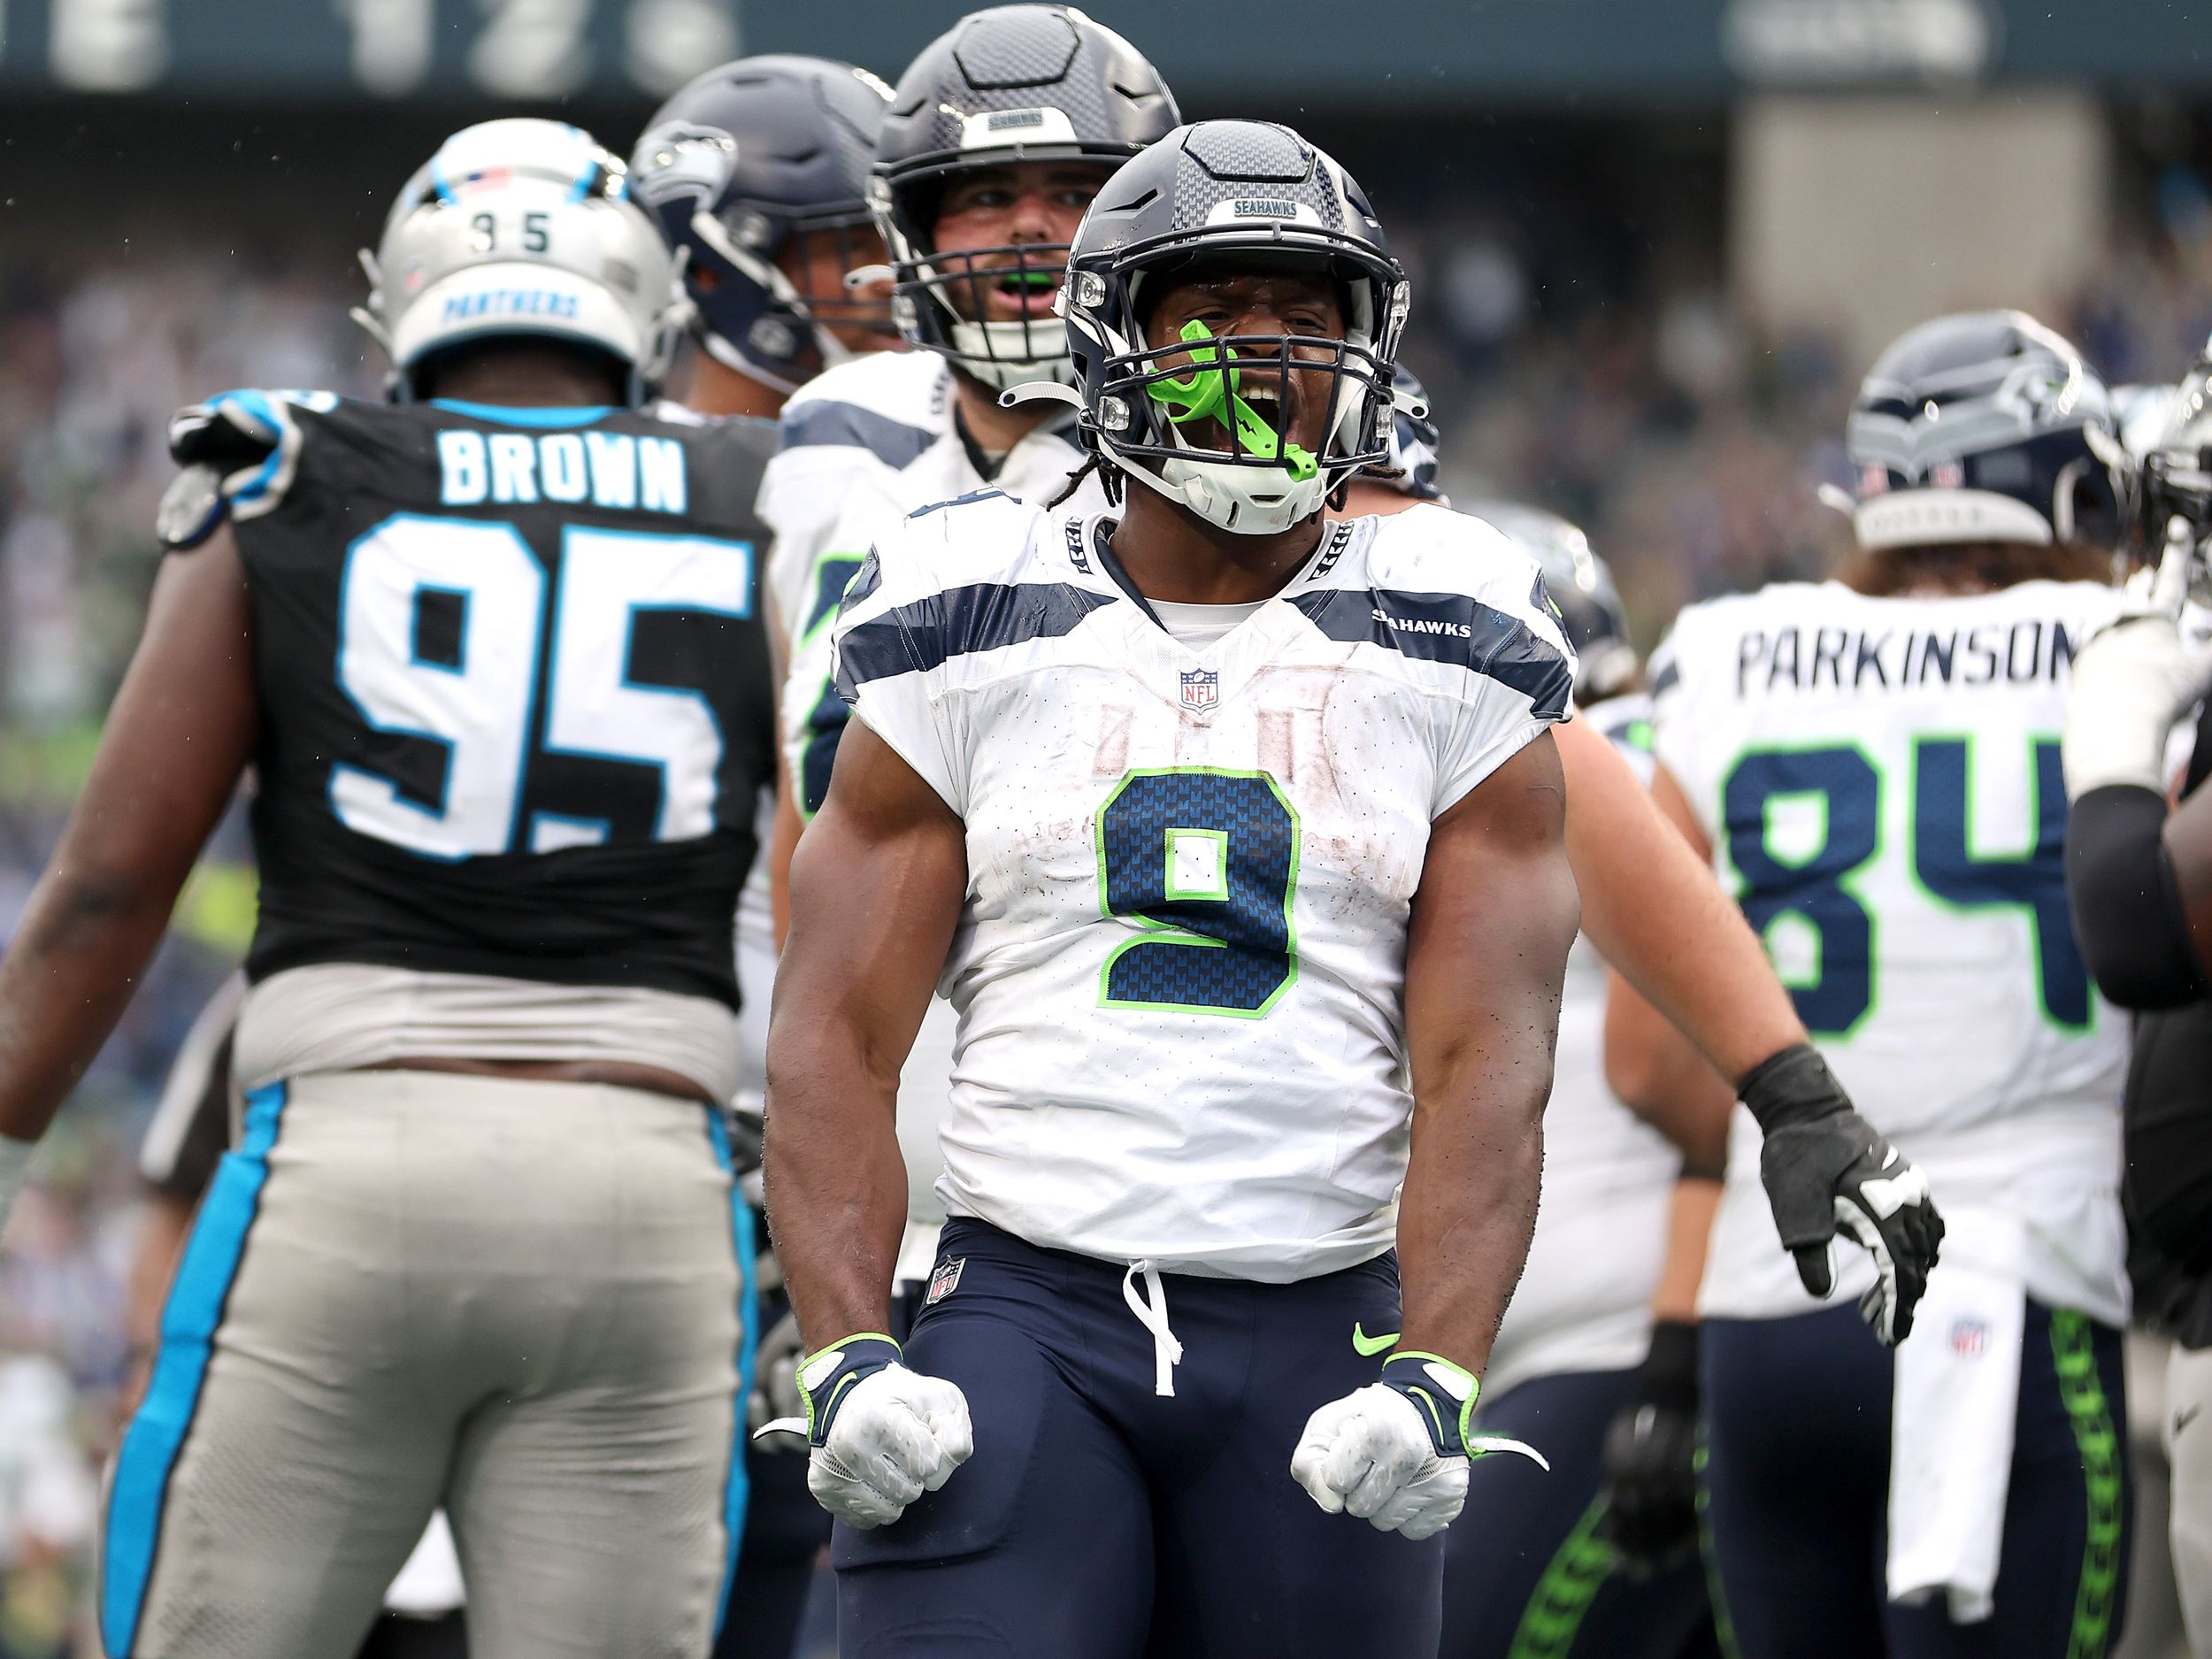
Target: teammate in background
{"x": 1317, "y": 832}
{"x": 2140, "y": 880}
{"x": 1578, "y": 1366}
{"x": 1876, "y": 762}
{"x": 1660, "y": 920}
{"x": 1576, "y": 1560}
{"x": 1001, "y": 132}
{"x": 758, "y": 171}
{"x": 494, "y": 655}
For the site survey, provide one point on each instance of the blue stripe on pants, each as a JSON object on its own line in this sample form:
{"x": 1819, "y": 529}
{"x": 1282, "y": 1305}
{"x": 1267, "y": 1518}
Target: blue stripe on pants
{"x": 741, "y": 1239}
{"x": 189, "y": 1322}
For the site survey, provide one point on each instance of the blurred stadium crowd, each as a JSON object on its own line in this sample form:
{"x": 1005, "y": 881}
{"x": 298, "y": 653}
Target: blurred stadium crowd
{"x": 1598, "y": 368}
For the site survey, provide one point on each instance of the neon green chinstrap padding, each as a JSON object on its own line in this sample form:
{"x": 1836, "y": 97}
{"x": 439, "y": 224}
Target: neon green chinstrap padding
{"x": 1199, "y": 393}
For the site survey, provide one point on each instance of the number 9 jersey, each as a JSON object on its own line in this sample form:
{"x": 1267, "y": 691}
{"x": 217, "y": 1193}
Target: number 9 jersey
{"x": 1180, "y": 962}
{"x": 1879, "y": 780}
{"x": 516, "y": 698}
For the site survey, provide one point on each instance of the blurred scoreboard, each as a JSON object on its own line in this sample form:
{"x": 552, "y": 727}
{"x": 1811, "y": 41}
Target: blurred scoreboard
{"x": 1425, "y": 55}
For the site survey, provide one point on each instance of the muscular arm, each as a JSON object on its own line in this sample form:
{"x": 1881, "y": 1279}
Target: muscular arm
{"x": 1650, "y": 903}
{"x": 179, "y": 734}
{"x": 1485, "y": 953}
{"x": 876, "y": 889}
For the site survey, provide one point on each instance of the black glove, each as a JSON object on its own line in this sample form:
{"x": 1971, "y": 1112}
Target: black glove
{"x": 1824, "y": 1167}
{"x": 1650, "y": 1455}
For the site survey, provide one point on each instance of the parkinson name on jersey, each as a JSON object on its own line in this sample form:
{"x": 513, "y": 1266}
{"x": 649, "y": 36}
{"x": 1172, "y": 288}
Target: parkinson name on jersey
{"x": 1864, "y": 659}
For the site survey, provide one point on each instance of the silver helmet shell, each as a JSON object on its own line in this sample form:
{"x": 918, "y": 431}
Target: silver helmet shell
{"x": 522, "y": 227}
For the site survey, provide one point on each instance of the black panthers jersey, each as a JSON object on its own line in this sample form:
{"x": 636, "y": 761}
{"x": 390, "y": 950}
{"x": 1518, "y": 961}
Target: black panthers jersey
{"x": 515, "y": 691}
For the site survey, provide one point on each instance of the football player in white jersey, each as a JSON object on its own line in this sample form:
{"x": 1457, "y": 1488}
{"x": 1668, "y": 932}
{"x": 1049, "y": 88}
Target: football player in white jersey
{"x": 1591, "y": 1558}
{"x": 1874, "y": 763}
{"x": 1002, "y": 132}
{"x": 758, "y": 171}
{"x": 1597, "y": 1554}
{"x": 1219, "y": 818}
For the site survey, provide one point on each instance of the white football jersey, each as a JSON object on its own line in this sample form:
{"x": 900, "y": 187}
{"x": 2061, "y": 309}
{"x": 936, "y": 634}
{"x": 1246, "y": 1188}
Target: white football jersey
{"x": 1584, "y": 1302}
{"x": 861, "y": 446}
{"x": 876, "y": 430}
{"x": 1879, "y": 778}
{"x": 1180, "y": 962}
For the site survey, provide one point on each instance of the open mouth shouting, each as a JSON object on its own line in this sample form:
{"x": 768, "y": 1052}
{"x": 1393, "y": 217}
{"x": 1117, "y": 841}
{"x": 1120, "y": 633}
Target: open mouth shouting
{"x": 1020, "y": 293}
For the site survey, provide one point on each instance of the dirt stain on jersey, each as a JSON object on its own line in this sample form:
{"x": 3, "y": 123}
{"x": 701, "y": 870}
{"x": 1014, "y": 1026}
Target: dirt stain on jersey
{"x": 1111, "y": 757}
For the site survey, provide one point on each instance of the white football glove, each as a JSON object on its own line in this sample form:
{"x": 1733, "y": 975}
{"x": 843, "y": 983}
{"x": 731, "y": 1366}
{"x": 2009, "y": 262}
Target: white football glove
{"x": 1395, "y": 1453}
{"x": 881, "y": 1435}
{"x": 2135, "y": 679}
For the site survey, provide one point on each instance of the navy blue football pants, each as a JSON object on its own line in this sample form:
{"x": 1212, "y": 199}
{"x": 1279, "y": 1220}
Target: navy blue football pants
{"x": 1797, "y": 1492}
{"x": 1528, "y": 1573}
{"x": 1097, "y": 1520}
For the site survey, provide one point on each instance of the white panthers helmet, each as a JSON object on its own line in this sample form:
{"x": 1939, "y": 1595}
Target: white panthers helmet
{"x": 523, "y": 226}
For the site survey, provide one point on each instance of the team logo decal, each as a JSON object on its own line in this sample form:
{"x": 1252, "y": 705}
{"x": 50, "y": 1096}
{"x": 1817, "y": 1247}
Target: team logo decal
{"x": 944, "y": 1280}
{"x": 1201, "y": 688}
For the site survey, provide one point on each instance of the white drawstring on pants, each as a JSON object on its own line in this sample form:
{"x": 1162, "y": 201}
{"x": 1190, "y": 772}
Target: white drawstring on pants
{"x": 1151, "y": 1311}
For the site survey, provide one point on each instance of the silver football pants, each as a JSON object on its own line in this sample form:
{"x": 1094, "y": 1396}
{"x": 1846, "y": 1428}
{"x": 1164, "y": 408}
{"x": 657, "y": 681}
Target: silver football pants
{"x": 527, "y": 1302}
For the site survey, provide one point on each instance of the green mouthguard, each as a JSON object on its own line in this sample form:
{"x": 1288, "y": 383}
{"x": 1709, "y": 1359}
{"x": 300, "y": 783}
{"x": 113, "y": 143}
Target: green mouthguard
{"x": 1199, "y": 394}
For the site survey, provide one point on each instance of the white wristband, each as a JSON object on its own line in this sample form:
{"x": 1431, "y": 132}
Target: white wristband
{"x": 15, "y": 1161}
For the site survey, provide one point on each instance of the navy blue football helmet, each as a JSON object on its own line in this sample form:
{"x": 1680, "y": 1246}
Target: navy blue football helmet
{"x": 1186, "y": 419}
{"x": 736, "y": 165}
{"x": 1985, "y": 426}
{"x": 1413, "y": 440}
{"x": 1011, "y": 84}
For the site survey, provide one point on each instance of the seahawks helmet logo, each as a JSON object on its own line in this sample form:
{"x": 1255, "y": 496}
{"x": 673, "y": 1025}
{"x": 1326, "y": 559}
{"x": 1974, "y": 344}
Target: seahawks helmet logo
{"x": 680, "y": 160}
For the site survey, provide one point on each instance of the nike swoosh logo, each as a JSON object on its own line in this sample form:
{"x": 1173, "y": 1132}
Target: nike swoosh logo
{"x": 2183, "y": 1417}
{"x": 1362, "y": 1343}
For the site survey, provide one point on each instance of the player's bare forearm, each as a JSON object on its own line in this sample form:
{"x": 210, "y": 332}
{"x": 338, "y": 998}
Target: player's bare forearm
{"x": 1664, "y": 1081}
{"x": 1486, "y": 957}
{"x": 179, "y": 732}
{"x": 1651, "y": 905}
{"x": 1690, "y": 1212}
{"x": 876, "y": 888}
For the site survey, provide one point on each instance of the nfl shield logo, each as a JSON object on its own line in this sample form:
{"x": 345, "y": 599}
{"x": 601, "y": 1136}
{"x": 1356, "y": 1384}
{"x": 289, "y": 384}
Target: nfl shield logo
{"x": 944, "y": 1280}
{"x": 1201, "y": 687}
{"x": 1969, "y": 1337}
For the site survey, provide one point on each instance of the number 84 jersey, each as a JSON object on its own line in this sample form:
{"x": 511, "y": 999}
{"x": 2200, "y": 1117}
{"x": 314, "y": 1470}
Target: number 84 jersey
{"x": 1879, "y": 780}
{"x": 1180, "y": 965}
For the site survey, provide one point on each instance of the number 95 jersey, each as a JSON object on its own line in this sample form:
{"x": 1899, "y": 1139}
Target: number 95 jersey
{"x": 1180, "y": 962}
{"x": 516, "y": 699}
{"x": 1879, "y": 780}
